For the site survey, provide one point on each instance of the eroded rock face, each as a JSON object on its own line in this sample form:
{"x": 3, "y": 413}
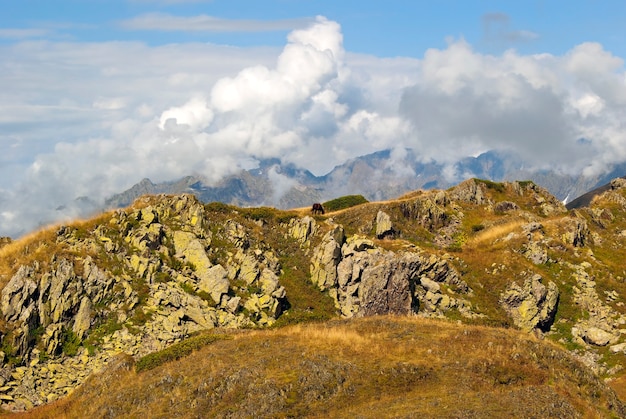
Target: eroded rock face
{"x": 532, "y": 305}
{"x": 302, "y": 229}
{"x": 326, "y": 257}
{"x": 384, "y": 227}
{"x": 578, "y": 233}
{"x": 57, "y": 300}
{"x": 471, "y": 191}
{"x": 370, "y": 281}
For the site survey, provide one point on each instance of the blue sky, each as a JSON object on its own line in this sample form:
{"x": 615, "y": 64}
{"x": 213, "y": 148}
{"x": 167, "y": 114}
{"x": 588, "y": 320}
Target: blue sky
{"x": 97, "y": 94}
{"x": 382, "y": 28}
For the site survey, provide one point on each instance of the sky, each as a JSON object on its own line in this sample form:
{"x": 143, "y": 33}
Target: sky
{"x": 96, "y": 95}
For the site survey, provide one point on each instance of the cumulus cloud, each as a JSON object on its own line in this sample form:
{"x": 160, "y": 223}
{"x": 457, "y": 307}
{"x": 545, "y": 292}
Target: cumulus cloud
{"x": 538, "y": 106}
{"x": 93, "y": 119}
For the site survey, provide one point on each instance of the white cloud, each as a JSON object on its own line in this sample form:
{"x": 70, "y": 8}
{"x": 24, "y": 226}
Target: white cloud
{"x": 538, "y": 106}
{"x": 195, "y": 114}
{"x": 93, "y": 119}
{"x": 205, "y": 23}
{"x": 23, "y": 33}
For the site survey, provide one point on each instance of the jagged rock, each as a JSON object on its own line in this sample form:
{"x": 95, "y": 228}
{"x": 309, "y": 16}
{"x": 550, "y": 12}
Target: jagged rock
{"x": 189, "y": 246}
{"x": 270, "y": 285}
{"x": 532, "y": 305}
{"x": 356, "y": 244}
{"x": 215, "y": 282}
{"x": 621, "y": 347}
{"x": 430, "y": 285}
{"x": 577, "y": 232}
{"x": 470, "y": 191}
{"x": 372, "y": 281}
{"x": 535, "y": 252}
{"x": 506, "y": 206}
{"x": 429, "y": 213}
{"x": 302, "y": 229}
{"x": 384, "y": 227}
{"x": 236, "y": 233}
{"x": 618, "y": 183}
{"x": 18, "y": 293}
{"x": 233, "y": 304}
{"x": 82, "y": 320}
{"x": 385, "y": 287}
{"x": 326, "y": 258}
{"x": 601, "y": 216}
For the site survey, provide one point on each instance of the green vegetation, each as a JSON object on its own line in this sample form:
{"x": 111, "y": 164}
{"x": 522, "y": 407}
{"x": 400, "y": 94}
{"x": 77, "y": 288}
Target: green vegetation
{"x": 70, "y": 342}
{"x": 219, "y": 207}
{"x": 496, "y": 186}
{"x": 259, "y": 213}
{"x": 344, "y": 202}
{"x": 177, "y": 351}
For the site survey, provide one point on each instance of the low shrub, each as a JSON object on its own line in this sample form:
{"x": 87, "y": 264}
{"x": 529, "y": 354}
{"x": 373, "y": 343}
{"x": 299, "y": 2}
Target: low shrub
{"x": 177, "y": 351}
{"x": 344, "y": 202}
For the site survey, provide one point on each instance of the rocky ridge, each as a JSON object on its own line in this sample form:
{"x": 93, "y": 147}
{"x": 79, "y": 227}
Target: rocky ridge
{"x": 139, "y": 279}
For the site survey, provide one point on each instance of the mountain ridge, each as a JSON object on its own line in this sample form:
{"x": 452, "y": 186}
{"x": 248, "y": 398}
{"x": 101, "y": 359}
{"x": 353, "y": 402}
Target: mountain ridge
{"x": 152, "y": 279}
{"x": 377, "y": 176}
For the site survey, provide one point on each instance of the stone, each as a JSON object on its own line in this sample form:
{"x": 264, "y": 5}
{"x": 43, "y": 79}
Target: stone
{"x": 506, "y": 206}
{"x": 268, "y": 281}
{"x": 535, "y": 252}
{"x": 18, "y": 292}
{"x": 384, "y": 227}
{"x": 594, "y": 335}
{"x": 249, "y": 269}
{"x": 621, "y": 347}
{"x": 430, "y": 285}
{"x": 82, "y": 320}
{"x": 325, "y": 260}
{"x": 188, "y": 245}
{"x": 302, "y": 229}
{"x": 470, "y": 191}
{"x": 215, "y": 282}
{"x": 532, "y": 305}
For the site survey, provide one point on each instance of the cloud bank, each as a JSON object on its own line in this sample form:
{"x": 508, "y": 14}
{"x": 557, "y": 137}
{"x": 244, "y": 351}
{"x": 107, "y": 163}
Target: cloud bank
{"x": 88, "y": 120}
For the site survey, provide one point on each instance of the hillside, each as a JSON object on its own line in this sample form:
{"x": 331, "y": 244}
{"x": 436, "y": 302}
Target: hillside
{"x": 505, "y": 264}
{"x": 373, "y": 367}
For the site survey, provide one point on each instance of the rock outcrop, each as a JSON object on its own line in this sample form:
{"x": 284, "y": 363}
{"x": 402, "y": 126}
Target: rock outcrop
{"x": 532, "y": 305}
{"x": 384, "y": 227}
{"x": 366, "y": 280}
{"x": 603, "y": 326}
{"x": 147, "y": 278}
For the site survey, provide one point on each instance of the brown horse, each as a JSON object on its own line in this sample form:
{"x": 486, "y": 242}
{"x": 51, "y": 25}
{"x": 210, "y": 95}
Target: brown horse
{"x": 317, "y": 208}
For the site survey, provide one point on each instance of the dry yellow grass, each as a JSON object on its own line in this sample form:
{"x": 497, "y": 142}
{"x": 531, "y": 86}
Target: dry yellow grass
{"x": 372, "y": 368}
{"x": 491, "y": 234}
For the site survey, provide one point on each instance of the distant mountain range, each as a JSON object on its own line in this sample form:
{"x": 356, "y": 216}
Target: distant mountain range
{"x": 377, "y": 176}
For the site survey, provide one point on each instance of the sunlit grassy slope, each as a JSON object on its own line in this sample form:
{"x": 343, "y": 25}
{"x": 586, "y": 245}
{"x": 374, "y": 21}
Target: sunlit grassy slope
{"x": 370, "y": 368}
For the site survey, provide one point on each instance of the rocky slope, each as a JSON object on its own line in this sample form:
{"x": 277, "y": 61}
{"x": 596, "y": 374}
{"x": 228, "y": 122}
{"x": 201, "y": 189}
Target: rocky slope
{"x": 139, "y": 279}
